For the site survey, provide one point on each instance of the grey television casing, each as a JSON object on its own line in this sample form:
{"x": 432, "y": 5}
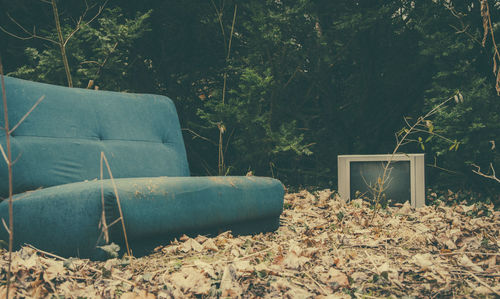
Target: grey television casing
{"x": 416, "y": 169}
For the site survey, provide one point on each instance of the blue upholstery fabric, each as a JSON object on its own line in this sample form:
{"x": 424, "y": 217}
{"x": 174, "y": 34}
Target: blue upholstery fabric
{"x": 61, "y": 140}
{"x": 65, "y": 219}
{"x": 58, "y": 148}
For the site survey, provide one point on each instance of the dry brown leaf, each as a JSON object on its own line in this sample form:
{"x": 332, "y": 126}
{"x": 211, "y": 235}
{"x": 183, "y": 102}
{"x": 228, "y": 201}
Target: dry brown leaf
{"x": 296, "y": 292}
{"x": 55, "y": 269}
{"x": 466, "y": 262}
{"x": 229, "y": 286}
{"x": 189, "y": 245}
{"x": 405, "y": 209}
{"x": 206, "y": 268}
{"x": 142, "y": 294}
{"x": 30, "y": 263}
{"x": 3, "y": 291}
{"x": 210, "y": 245}
{"x": 295, "y": 262}
{"x": 335, "y": 279}
{"x": 201, "y": 239}
{"x": 243, "y": 266}
{"x": 190, "y": 279}
{"x": 359, "y": 276}
{"x": 319, "y": 233}
{"x": 423, "y": 260}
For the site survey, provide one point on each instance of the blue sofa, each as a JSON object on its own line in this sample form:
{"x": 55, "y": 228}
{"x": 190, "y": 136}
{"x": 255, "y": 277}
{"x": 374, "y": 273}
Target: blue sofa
{"x": 58, "y": 204}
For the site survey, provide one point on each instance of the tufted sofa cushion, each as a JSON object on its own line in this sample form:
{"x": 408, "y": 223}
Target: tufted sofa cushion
{"x": 58, "y": 148}
{"x": 61, "y": 140}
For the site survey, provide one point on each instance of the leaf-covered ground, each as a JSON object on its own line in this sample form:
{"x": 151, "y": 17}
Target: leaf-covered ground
{"x": 324, "y": 248}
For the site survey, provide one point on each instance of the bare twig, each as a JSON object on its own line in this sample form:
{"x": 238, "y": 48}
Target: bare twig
{"x": 30, "y": 35}
{"x": 487, "y": 27}
{"x": 9, "y": 167}
{"x": 27, "y": 114}
{"x": 62, "y": 43}
{"x": 62, "y": 40}
{"x": 229, "y": 53}
{"x": 7, "y": 155}
{"x": 219, "y": 16}
{"x": 222, "y": 129}
{"x": 103, "y": 215}
{"x": 4, "y": 155}
{"x": 86, "y": 265}
{"x": 488, "y": 176}
{"x": 482, "y": 282}
{"x": 316, "y": 282}
{"x": 82, "y": 17}
{"x": 115, "y": 189}
{"x": 196, "y": 135}
{"x": 379, "y": 186}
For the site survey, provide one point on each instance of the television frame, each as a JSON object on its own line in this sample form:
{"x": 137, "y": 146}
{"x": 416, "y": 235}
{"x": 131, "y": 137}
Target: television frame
{"x": 417, "y": 173}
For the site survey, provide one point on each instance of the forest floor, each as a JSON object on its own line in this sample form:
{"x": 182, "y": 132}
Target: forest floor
{"x": 324, "y": 248}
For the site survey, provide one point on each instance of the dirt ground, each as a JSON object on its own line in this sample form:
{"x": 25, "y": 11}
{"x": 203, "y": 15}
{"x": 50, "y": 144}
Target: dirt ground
{"x": 324, "y": 248}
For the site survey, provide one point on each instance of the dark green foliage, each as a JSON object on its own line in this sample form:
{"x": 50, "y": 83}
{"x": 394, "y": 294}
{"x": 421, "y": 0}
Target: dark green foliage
{"x": 102, "y": 51}
{"x": 460, "y": 62}
{"x": 305, "y": 80}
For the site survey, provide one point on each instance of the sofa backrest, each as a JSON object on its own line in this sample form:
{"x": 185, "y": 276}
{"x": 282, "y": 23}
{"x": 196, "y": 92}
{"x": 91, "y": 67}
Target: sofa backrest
{"x": 61, "y": 140}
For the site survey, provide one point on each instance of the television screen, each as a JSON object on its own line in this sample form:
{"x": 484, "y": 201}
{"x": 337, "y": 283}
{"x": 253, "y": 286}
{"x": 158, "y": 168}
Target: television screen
{"x": 405, "y": 177}
{"x": 364, "y": 177}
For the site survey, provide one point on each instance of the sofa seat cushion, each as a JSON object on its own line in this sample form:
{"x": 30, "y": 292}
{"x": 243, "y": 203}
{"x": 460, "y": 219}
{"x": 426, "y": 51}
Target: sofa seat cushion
{"x": 65, "y": 219}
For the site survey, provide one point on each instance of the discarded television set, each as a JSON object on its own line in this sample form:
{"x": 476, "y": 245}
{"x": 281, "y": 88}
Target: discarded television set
{"x": 404, "y": 178}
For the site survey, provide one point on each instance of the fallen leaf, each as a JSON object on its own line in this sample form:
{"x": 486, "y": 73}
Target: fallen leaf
{"x": 229, "y": 286}
{"x": 335, "y": 279}
{"x": 191, "y": 244}
{"x": 466, "y": 262}
{"x": 210, "y": 245}
{"x": 190, "y": 279}
{"x": 142, "y": 294}
{"x": 423, "y": 260}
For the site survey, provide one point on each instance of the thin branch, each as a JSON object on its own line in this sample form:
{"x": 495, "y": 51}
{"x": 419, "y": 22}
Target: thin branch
{"x": 228, "y": 139}
{"x": 30, "y": 35}
{"x": 487, "y": 26}
{"x": 27, "y": 114}
{"x": 482, "y": 282}
{"x": 435, "y": 134}
{"x": 5, "y": 226}
{"x": 101, "y": 66}
{"x": 80, "y": 20}
{"x": 229, "y": 54}
{"x": 232, "y": 31}
{"x": 103, "y": 215}
{"x": 488, "y": 176}
{"x": 16, "y": 159}
{"x": 85, "y": 265}
{"x": 219, "y": 16}
{"x": 4, "y": 155}
{"x": 115, "y": 189}
{"x": 199, "y": 136}
{"x": 90, "y": 62}
{"x": 9, "y": 168}
{"x": 399, "y": 143}
{"x": 442, "y": 168}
